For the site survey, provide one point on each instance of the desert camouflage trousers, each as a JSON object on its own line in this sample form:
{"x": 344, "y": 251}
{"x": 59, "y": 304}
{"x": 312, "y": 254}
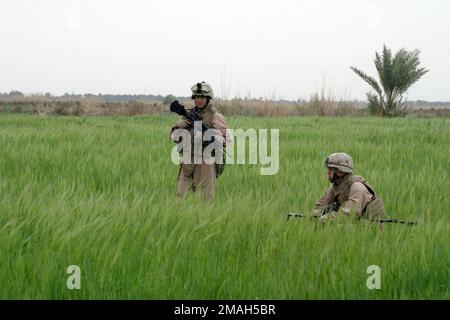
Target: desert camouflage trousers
{"x": 197, "y": 177}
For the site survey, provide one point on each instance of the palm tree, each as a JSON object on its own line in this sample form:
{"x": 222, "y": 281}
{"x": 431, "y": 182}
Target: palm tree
{"x": 396, "y": 75}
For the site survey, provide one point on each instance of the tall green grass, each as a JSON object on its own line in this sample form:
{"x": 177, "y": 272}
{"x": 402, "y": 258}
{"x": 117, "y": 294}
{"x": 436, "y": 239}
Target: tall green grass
{"x": 99, "y": 193}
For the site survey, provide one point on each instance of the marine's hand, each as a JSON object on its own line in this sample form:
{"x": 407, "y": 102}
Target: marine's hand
{"x": 182, "y": 124}
{"x": 316, "y": 213}
{"x": 323, "y": 218}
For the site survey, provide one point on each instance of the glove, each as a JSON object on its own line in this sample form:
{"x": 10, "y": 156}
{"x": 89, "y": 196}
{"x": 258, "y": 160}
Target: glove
{"x": 323, "y": 218}
{"x": 316, "y": 213}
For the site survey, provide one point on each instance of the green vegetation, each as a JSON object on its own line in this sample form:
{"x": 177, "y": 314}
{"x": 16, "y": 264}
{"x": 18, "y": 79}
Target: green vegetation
{"x": 99, "y": 192}
{"x": 396, "y": 74}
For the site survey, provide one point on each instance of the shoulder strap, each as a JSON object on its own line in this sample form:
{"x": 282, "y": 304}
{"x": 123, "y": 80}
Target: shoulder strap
{"x": 354, "y": 178}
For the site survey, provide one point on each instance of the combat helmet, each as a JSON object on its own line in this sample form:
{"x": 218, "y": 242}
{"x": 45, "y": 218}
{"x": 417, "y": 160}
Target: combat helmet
{"x": 341, "y": 161}
{"x": 202, "y": 89}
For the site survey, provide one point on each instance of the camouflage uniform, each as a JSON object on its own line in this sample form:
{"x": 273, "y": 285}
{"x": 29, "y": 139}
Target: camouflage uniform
{"x": 353, "y": 193}
{"x": 193, "y": 177}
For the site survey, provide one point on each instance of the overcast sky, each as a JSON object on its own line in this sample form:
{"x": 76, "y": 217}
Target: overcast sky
{"x": 258, "y": 48}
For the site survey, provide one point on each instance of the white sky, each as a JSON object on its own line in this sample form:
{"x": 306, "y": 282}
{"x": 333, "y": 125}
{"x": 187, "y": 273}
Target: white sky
{"x": 273, "y": 49}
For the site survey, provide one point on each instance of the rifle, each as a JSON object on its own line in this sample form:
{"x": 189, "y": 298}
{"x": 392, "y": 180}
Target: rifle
{"x": 179, "y": 109}
{"x": 335, "y": 205}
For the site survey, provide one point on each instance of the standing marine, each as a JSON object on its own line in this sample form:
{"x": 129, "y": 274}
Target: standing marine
{"x": 194, "y": 176}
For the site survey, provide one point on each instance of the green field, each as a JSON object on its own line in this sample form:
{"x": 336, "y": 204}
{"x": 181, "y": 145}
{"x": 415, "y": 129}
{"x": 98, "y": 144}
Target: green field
{"x": 99, "y": 192}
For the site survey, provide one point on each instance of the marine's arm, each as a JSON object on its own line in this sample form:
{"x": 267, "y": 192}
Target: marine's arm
{"x": 358, "y": 198}
{"x": 324, "y": 202}
{"x": 180, "y": 124}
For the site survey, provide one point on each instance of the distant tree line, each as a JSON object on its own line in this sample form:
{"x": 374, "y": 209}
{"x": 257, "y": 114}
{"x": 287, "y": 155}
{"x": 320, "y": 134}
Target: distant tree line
{"x": 103, "y": 97}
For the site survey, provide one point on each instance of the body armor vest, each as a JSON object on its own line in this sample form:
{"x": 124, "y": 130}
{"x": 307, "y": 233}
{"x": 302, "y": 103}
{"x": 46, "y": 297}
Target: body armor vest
{"x": 374, "y": 209}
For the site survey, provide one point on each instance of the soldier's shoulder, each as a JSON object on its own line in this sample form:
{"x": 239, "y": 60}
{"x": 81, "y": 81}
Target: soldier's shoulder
{"x": 214, "y": 108}
{"x": 355, "y": 178}
{"x": 358, "y": 186}
{"x": 218, "y": 115}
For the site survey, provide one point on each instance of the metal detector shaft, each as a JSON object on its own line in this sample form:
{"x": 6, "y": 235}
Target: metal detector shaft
{"x": 408, "y": 223}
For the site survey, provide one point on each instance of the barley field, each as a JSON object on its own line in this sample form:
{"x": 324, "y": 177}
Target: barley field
{"x": 99, "y": 193}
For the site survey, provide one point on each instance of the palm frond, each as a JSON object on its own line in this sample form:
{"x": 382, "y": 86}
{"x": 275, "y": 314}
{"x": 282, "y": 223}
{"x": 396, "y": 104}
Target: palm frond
{"x": 370, "y": 80}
